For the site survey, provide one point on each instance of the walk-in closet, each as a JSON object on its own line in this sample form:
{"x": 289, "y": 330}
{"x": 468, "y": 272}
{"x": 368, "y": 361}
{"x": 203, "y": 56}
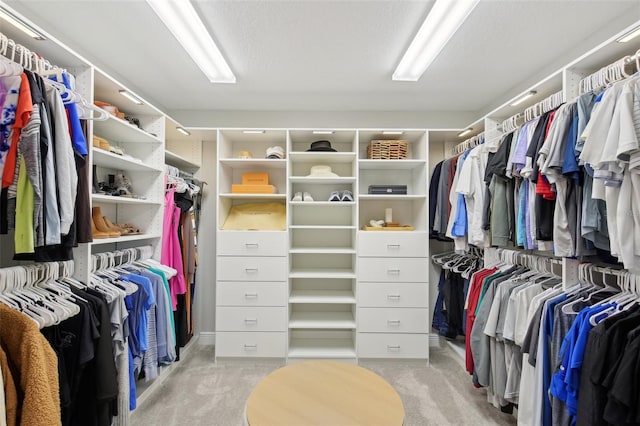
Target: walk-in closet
{"x": 319, "y": 212}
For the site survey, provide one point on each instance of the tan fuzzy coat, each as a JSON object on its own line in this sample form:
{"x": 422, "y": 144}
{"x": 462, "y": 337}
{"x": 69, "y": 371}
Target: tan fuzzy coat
{"x": 34, "y": 367}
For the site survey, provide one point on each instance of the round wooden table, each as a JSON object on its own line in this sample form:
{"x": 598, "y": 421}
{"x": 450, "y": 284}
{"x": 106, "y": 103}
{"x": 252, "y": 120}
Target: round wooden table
{"x": 324, "y": 393}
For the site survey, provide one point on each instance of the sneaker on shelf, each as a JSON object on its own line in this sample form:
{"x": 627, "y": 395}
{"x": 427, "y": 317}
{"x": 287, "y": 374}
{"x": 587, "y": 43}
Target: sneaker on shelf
{"x": 307, "y": 197}
{"x": 335, "y": 196}
{"x": 346, "y": 196}
{"x": 297, "y": 196}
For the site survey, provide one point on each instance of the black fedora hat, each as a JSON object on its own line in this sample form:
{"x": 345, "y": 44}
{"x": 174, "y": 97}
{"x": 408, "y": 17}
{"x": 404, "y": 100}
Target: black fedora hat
{"x": 321, "y": 146}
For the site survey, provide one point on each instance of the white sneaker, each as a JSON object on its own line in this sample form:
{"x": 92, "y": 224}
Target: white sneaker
{"x": 335, "y": 196}
{"x": 297, "y": 196}
{"x": 307, "y": 197}
{"x": 346, "y": 196}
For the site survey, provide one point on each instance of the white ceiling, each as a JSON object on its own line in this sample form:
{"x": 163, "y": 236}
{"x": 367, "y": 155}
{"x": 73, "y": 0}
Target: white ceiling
{"x": 332, "y": 55}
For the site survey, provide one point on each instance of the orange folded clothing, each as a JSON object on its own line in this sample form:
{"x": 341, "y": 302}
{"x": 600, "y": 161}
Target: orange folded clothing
{"x": 253, "y": 189}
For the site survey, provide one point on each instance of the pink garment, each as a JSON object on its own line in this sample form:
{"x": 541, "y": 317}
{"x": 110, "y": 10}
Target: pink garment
{"x": 171, "y": 253}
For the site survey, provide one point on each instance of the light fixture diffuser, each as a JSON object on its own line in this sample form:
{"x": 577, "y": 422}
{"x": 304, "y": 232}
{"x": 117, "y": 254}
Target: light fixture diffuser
{"x": 465, "y": 132}
{"x": 523, "y": 98}
{"x": 20, "y": 24}
{"x": 183, "y": 131}
{"x": 253, "y": 132}
{"x": 187, "y": 27}
{"x": 133, "y": 98}
{"x": 629, "y": 35}
{"x": 323, "y": 132}
{"x": 443, "y": 20}
{"x": 392, "y": 132}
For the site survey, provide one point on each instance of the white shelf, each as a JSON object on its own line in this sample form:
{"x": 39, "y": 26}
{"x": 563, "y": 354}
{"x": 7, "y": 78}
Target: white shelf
{"x": 239, "y": 163}
{"x": 118, "y": 131}
{"x": 322, "y": 296}
{"x": 180, "y": 162}
{"x": 100, "y": 198}
{"x": 123, "y": 239}
{"x": 324, "y": 203}
{"x": 321, "y": 180}
{"x": 321, "y": 348}
{"x": 334, "y": 273}
{"x": 114, "y": 161}
{"x": 322, "y": 250}
{"x": 390, "y": 164}
{"x": 252, "y": 196}
{"x": 322, "y": 157}
{"x": 377, "y": 197}
{"x": 323, "y": 320}
{"x": 324, "y": 227}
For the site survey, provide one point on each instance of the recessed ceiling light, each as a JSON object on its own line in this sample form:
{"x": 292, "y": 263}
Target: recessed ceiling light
{"x": 133, "y": 98}
{"x": 629, "y": 35}
{"x": 323, "y": 132}
{"x": 443, "y": 20}
{"x": 465, "y": 132}
{"x": 252, "y": 132}
{"x": 187, "y": 27}
{"x": 20, "y": 24}
{"x": 392, "y": 132}
{"x": 524, "y": 97}
{"x": 183, "y": 131}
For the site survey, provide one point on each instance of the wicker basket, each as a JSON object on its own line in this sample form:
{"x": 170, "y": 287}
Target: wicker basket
{"x": 387, "y": 150}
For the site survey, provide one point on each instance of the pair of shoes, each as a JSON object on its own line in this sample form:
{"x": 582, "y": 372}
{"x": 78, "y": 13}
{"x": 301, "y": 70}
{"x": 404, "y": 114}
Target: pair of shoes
{"x": 129, "y": 229}
{"x": 345, "y": 196}
{"x": 302, "y": 196}
{"x": 101, "y": 228}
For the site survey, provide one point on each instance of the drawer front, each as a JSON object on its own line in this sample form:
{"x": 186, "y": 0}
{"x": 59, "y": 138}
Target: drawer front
{"x": 233, "y": 293}
{"x": 252, "y": 243}
{"x": 375, "y": 345}
{"x": 266, "y": 345}
{"x": 393, "y": 244}
{"x": 252, "y": 269}
{"x": 391, "y": 295}
{"x": 393, "y": 269}
{"x": 393, "y": 320}
{"x": 251, "y": 319}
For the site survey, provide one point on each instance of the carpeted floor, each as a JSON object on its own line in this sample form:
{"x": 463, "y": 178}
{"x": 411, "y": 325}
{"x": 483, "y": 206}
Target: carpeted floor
{"x": 199, "y": 393}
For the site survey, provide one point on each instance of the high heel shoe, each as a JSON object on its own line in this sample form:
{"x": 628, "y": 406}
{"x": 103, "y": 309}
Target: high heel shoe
{"x": 98, "y": 219}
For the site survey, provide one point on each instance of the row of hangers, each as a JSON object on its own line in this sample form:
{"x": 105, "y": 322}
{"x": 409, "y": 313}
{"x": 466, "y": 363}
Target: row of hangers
{"x": 15, "y": 58}
{"x": 463, "y": 263}
{"x": 177, "y": 179}
{"x": 472, "y": 142}
{"x": 609, "y": 74}
{"x": 548, "y": 104}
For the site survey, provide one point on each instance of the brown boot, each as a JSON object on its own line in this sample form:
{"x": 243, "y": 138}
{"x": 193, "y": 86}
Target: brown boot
{"x": 98, "y": 219}
{"x": 95, "y": 233}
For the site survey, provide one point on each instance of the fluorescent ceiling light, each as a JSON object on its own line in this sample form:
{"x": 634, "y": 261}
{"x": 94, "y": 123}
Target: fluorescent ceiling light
{"x": 187, "y": 27}
{"x": 21, "y": 25}
{"x": 183, "y": 131}
{"x": 323, "y": 132}
{"x": 628, "y": 36}
{"x": 443, "y": 20}
{"x": 465, "y": 132}
{"x": 392, "y": 132}
{"x": 133, "y": 98}
{"x": 253, "y": 132}
{"x": 524, "y": 97}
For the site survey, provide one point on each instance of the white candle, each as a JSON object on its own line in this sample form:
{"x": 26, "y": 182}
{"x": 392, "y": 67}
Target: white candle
{"x": 388, "y": 215}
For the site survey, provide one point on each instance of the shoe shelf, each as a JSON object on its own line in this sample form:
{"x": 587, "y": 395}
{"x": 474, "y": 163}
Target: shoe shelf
{"x": 322, "y": 296}
{"x": 121, "y": 131}
{"x": 124, "y": 238}
{"x": 101, "y": 198}
{"x": 321, "y": 348}
{"x": 114, "y": 161}
{"x": 324, "y": 203}
{"x": 239, "y": 163}
{"x": 322, "y": 320}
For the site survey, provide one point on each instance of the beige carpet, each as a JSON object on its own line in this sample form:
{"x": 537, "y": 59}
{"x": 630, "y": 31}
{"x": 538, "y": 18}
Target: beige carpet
{"x": 199, "y": 393}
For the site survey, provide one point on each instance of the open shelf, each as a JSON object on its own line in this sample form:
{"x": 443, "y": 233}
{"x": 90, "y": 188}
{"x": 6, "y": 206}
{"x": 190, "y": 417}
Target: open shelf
{"x": 120, "y": 131}
{"x": 321, "y": 180}
{"x": 322, "y": 320}
{"x": 114, "y": 161}
{"x": 328, "y": 227}
{"x": 240, "y": 163}
{"x": 260, "y": 196}
{"x": 322, "y": 273}
{"x": 391, "y": 197}
{"x": 101, "y": 198}
{"x": 322, "y": 296}
{"x": 322, "y": 250}
{"x": 182, "y": 163}
{"x": 321, "y": 348}
{"x": 322, "y": 157}
{"x": 390, "y": 164}
{"x": 99, "y": 241}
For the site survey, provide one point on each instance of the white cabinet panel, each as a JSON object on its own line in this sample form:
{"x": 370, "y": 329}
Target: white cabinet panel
{"x": 252, "y": 268}
{"x": 382, "y": 345}
{"x": 393, "y": 320}
{"x": 392, "y": 244}
{"x": 393, "y": 269}
{"x": 390, "y": 295}
{"x": 251, "y": 318}
{"x": 235, "y": 293}
{"x": 252, "y": 243}
{"x": 238, "y": 344}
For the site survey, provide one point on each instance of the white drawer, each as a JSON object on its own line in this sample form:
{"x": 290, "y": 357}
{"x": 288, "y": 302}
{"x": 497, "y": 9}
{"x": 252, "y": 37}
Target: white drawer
{"x": 252, "y": 268}
{"x": 393, "y": 320}
{"x": 252, "y": 243}
{"x": 251, "y": 318}
{"x": 266, "y": 345}
{"x": 390, "y": 295}
{"x": 393, "y": 269}
{"x": 233, "y": 293}
{"x": 393, "y": 244}
{"x": 375, "y": 345}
